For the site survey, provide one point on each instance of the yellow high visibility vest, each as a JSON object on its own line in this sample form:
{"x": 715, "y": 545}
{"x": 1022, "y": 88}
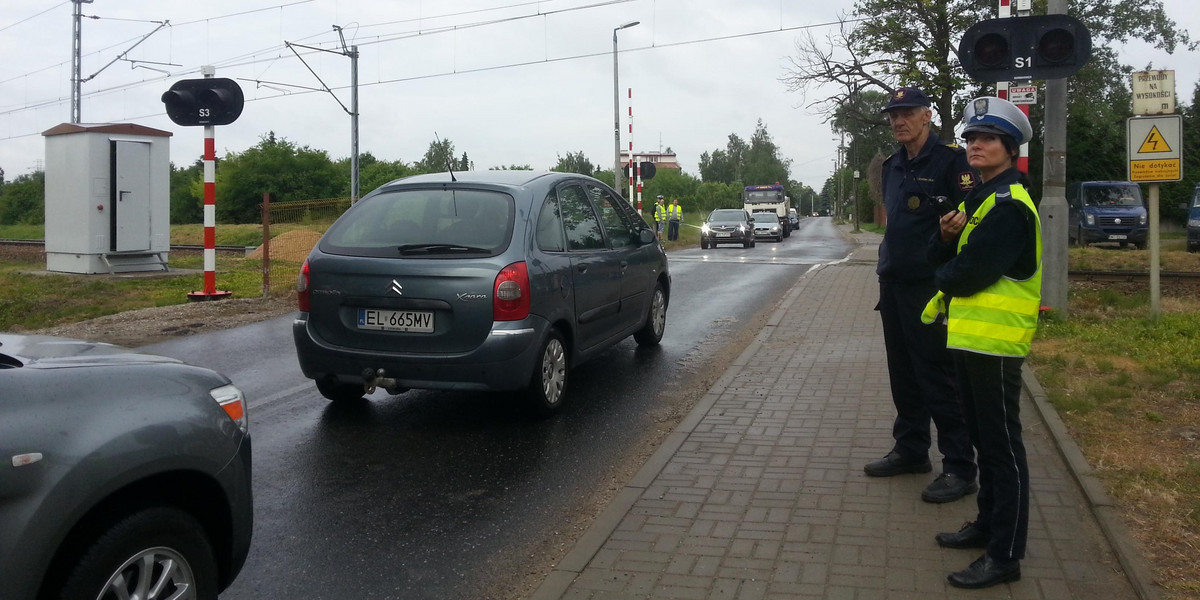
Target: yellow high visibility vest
{"x": 675, "y": 212}
{"x": 660, "y": 213}
{"x": 1001, "y": 319}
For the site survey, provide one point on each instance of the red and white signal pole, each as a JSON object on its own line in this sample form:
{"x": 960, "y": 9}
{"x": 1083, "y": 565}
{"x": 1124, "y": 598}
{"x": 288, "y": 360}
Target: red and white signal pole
{"x": 1006, "y": 10}
{"x": 210, "y": 291}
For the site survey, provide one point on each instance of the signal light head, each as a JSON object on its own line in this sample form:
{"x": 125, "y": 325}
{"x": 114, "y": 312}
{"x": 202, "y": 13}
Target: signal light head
{"x": 992, "y": 52}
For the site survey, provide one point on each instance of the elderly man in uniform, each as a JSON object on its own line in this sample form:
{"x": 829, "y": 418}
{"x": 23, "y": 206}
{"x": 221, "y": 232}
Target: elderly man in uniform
{"x": 923, "y": 176}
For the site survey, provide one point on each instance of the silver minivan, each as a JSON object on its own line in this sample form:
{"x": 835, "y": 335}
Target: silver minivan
{"x": 484, "y": 281}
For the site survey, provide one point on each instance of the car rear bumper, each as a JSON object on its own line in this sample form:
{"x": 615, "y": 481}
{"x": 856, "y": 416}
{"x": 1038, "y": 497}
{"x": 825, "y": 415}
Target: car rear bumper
{"x": 503, "y": 362}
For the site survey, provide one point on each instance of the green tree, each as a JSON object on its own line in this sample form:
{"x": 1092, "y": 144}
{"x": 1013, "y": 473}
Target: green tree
{"x": 278, "y": 167}
{"x": 511, "y": 168}
{"x": 725, "y": 166}
{"x": 380, "y": 172}
{"x": 186, "y": 205}
{"x": 763, "y": 164}
{"x": 438, "y": 157}
{"x": 575, "y": 162}
{"x": 886, "y": 44}
{"x": 23, "y": 200}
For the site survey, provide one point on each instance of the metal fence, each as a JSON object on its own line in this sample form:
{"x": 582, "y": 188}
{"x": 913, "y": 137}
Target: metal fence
{"x": 290, "y": 230}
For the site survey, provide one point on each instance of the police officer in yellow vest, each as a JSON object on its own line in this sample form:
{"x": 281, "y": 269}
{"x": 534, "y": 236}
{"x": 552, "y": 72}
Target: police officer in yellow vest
{"x": 989, "y": 277}
{"x": 674, "y": 216}
{"x": 660, "y": 215}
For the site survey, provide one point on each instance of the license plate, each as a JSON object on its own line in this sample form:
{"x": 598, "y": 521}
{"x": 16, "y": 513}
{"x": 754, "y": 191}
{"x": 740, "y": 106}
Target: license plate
{"x": 721, "y": 234}
{"x": 1118, "y": 236}
{"x": 395, "y": 320}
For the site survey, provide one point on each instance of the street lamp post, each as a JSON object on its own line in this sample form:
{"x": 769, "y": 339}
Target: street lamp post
{"x": 854, "y": 198}
{"x": 617, "y": 111}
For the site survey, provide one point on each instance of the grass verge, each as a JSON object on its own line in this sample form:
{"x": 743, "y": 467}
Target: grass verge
{"x": 1128, "y": 388}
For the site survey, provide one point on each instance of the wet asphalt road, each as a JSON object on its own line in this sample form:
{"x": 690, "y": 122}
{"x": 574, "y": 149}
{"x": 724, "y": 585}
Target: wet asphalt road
{"x": 458, "y": 495}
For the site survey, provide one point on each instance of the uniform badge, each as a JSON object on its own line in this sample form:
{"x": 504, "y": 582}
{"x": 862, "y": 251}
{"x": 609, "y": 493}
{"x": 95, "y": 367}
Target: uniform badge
{"x": 899, "y": 95}
{"x": 981, "y": 108}
{"x": 966, "y": 181}
{"x": 914, "y": 203}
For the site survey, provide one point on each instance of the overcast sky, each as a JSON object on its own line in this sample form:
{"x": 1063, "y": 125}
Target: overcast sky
{"x": 507, "y": 81}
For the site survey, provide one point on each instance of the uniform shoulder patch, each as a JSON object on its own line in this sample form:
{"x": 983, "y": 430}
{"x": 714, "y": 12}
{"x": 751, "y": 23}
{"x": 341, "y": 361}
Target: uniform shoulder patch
{"x": 966, "y": 181}
{"x": 951, "y": 145}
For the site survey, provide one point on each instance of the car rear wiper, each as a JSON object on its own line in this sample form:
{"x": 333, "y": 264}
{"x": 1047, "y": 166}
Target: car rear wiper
{"x": 438, "y": 249}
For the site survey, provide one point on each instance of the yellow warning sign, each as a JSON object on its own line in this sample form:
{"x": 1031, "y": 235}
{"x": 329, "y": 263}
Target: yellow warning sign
{"x": 1154, "y": 143}
{"x": 1155, "y": 170}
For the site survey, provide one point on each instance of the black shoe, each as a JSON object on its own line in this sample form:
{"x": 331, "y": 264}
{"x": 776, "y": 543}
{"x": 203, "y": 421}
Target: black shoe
{"x": 970, "y": 536}
{"x": 894, "y": 464}
{"x": 948, "y": 487}
{"x": 985, "y": 572}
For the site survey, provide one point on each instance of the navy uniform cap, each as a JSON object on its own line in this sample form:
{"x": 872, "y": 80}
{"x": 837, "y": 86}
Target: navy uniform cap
{"x": 907, "y": 96}
{"x": 996, "y": 115}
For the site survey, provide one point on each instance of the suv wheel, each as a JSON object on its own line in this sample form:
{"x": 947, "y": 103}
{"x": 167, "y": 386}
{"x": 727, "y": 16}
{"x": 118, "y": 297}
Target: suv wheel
{"x": 339, "y": 392}
{"x": 548, "y": 383}
{"x": 703, "y": 244}
{"x": 656, "y": 322}
{"x": 154, "y": 554}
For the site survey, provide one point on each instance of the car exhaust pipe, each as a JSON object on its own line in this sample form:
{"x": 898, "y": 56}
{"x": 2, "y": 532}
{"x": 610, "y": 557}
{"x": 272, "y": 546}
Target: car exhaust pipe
{"x": 377, "y": 378}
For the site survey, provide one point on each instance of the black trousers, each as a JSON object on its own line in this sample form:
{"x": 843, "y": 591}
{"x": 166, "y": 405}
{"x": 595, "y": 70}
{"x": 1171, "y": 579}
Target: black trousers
{"x": 921, "y": 373}
{"x": 991, "y": 391}
{"x": 673, "y": 230}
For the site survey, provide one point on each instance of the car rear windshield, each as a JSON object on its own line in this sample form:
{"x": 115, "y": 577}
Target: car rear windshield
{"x": 1113, "y": 195}
{"x": 435, "y": 223}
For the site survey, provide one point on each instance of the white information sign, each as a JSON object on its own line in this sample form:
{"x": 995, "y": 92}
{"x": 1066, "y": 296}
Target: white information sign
{"x": 1153, "y": 93}
{"x": 1022, "y": 94}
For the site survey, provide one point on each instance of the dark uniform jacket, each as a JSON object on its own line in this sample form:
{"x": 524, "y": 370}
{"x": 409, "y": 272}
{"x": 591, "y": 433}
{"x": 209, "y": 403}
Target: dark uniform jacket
{"x": 940, "y": 169}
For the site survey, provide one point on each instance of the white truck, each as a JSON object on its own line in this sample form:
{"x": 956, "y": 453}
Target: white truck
{"x": 759, "y": 199}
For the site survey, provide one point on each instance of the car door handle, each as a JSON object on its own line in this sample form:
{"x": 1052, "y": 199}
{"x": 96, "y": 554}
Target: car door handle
{"x": 582, "y": 268}
{"x": 624, "y": 265}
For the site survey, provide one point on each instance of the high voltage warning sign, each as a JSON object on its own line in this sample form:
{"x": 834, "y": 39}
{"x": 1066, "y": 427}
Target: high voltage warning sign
{"x": 1154, "y": 148}
{"x": 1154, "y": 143}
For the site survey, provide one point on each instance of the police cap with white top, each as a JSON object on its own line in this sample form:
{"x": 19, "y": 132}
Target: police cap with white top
{"x": 996, "y": 115}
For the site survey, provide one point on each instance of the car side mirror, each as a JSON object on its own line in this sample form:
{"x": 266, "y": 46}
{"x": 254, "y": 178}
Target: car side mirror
{"x": 647, "y": 237}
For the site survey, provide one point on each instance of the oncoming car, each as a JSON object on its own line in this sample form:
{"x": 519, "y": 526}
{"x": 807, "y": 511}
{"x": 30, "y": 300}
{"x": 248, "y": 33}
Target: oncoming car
{"x": 478, "y": 281}
{"x": 125, "y": 475}
{"x": 727, "y": 226}
{"x": 767, "y": 226}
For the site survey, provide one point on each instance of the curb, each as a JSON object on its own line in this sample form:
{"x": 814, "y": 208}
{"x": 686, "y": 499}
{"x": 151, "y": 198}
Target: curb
{"x": 1137, "y": 570}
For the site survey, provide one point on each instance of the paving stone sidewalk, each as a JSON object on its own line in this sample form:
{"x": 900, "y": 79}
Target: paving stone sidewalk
{"x": 759, "y": 493}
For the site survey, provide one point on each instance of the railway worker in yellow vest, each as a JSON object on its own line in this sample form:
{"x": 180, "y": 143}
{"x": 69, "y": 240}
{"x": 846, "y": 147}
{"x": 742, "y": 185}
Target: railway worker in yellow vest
{"x": 660, "y": 215}
{"x": 989, "y": 277}
{"x": 674, "y": 216}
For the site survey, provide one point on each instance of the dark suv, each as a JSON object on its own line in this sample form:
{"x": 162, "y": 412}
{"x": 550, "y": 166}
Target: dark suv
{"x": 487, "y": 281}
{"x": 727, "y": 226}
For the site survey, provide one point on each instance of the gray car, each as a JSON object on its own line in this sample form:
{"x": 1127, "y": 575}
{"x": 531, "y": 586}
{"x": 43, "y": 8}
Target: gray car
{"x": 124, "y": 475}
{"x": 767, "y": 226}
{"x": 482, "y": 281}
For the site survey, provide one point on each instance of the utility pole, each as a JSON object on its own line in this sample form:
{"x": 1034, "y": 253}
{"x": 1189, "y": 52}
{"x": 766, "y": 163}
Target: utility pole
{"x": 1052, "y": 212}
{"x": 77, "y": 59}
{"x": 352, "y": 53}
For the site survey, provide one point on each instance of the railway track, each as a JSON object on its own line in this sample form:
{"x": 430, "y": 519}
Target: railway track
{"x": 174, "y": 247}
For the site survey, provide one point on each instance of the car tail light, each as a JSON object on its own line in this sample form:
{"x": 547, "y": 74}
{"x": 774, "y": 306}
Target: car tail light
{"x": 510, "y": 293}
{"x": 302, "y": 288}
{"x": 231, "y": 400}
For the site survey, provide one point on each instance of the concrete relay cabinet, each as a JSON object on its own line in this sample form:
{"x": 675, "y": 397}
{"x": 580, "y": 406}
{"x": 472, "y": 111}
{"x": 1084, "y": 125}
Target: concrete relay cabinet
{"x": 108, "y": 203}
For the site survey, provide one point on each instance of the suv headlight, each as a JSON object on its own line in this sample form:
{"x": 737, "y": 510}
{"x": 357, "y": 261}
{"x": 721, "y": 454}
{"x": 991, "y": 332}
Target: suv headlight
{"x": 1142, "y": 220}
{"x": 231, "y": 400}
{"x": 704, "y": 229}
{"x": 1089, "y": 218}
